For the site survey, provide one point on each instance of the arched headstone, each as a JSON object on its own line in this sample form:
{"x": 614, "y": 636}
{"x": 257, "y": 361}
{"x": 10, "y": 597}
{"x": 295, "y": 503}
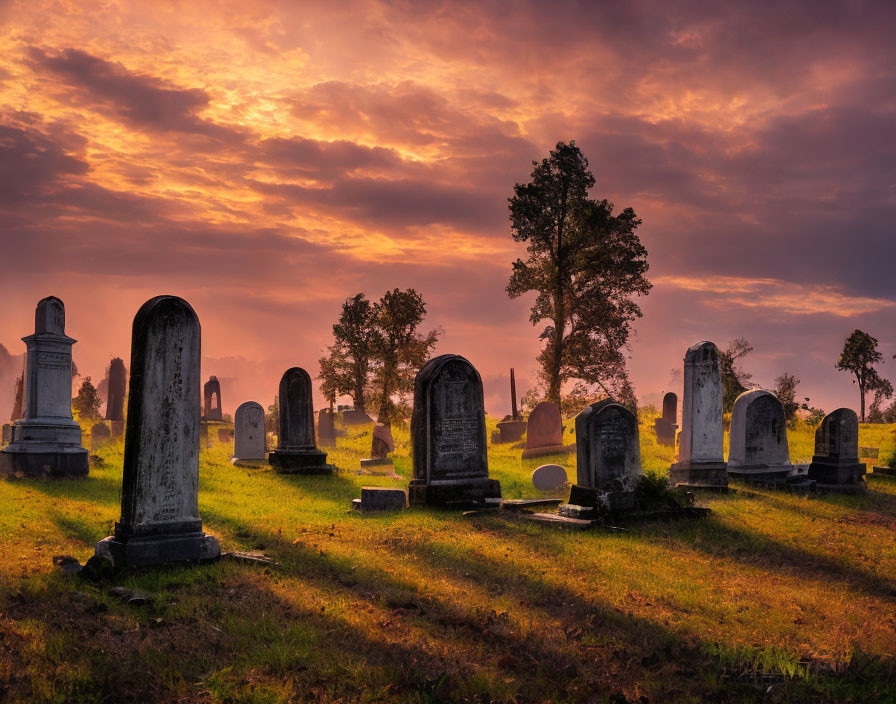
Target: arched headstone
{"x": 46, "y": 442}
{"x": 211, "y": 393}
{"x": 448, "y": 434}
{"x": 758, "y": 448}
{"x": 249, "y": 439}
{"x": 160, "y": 491}
{"x": 544, "y": 432}
{"x": 701, "y": 462}
{"x": 118, "y": 387}
{"x": 835, "y": 465}
{"x": 296, "y": 451}
{"x": 666, "y": 425}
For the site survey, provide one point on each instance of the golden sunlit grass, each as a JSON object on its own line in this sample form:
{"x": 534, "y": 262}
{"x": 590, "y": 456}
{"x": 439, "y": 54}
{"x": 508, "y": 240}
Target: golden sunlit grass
{"x": 772, "y": 598}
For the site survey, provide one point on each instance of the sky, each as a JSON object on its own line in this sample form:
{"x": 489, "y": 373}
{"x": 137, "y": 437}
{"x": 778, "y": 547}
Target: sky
{"x": 265, "y": 160}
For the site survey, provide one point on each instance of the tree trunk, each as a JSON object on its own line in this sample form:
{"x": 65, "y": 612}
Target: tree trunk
{"x": 862, "y": 397}
{"x": 556, "y": 362}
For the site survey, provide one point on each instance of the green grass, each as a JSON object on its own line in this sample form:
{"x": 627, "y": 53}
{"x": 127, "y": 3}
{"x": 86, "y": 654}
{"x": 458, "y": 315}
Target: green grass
{"x": 773, "y": 598}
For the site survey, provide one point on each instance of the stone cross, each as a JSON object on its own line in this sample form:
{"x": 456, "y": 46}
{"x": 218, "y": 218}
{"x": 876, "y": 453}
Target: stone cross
{"x": 448, "y": 435}
{"x": 758, "y": 449}
{"x": 249, "y": 440}
{"x": 296, "y": 451}
{"x": 160, "y": 492}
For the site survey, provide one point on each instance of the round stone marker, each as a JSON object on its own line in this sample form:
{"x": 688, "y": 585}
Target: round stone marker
{"x": 549, "y": 477}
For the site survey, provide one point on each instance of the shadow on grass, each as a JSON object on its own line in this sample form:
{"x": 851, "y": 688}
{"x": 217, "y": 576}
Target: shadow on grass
{"x": 103, "y": 490}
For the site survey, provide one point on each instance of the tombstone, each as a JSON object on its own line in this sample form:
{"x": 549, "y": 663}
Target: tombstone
{"x": 836, "y": 466}
{"x": 249, "y": 439}
{"x": 160, "y": 492}
{"x": 549, "y": 477}
{"x": 758, "y": 450}
{"x": 380, "y": 446}
{"x": 18, "y": 399}
{"x": 46, "y": 442}
{"x": 513, "y": 428}
{"x": 296, "y": 452}
{"x": 544, "y": 433}
{"x": 212, "y": 389}
{"x": 608, "y": 458}
{"x": 701, "y": 460}
{"x": 99, "y": 436}
{"x": 667, "y": 424}
{"x": 118, "y": 387}
{"x": 448, "y": 436}
{"x": 379, "y": 498}
{"x": 353, "y": 416}
{"x": 326, "y": 428}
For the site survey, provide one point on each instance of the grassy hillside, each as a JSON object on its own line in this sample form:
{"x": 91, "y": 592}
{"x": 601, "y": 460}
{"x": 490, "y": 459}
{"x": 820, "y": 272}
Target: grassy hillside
{"x": 772, "y": 598}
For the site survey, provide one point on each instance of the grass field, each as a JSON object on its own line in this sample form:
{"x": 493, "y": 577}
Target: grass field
{"x": 772, "y": 598}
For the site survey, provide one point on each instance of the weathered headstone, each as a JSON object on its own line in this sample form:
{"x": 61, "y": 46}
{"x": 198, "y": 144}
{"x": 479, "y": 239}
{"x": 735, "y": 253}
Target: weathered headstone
{"x": 448, "y": 435}
{"x": 354, "y": 416}
{"x": 758, "y": 450}
{"x": 249, "y": 441}
{"x": 296, "y": 452}
{"x": 47, "y": 441}
{"x": 836, "y": 466}
{"x": 549, "y": 477}
{"x": 380, "y": 446}
{"x": 667, "y": 424}
{"x": 211, "y": 393}
{"x": 608, "y": 458}
{"x": 379, "y": 498}
{"x": 701, "y": 462}
{"x": 544, "y": 433}
{"x": 99, "y": 436}
{"x": 118, "y": 388}
{"x": 18, "y": 399}
{"x": 160, "y": 491}
{"x": 326, "y": 428}
{"x": 513, "y": 428}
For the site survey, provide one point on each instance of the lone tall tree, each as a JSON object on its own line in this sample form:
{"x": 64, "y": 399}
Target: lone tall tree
{"x": 586, "y": 265}
{"x": 346, "y": 368}
{"x": 859, "y": 356}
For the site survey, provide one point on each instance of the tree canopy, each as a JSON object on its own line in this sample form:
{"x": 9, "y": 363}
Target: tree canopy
{"x": 858, "y": 357}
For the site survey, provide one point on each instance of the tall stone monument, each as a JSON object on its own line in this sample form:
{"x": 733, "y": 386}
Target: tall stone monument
{"x": 326, "y": 428}
{"x": 249, "y": 439}
{"x": 211, "y": 393}
{"x": 666, "y": 425}
{"x": 836, "y": 466}
{"x": 544, "y": 433}
{"x": 758, "y": 450}
{"x": 118, "y": 388}
{"x": 513, "y": 428}
{"x": 448, "y": 436}
{"x": 701, "y": 459}
{"x": 296, "y": 452}
{"x": 608, "y": 458}
{"x": 47, "y": 441}
{"x": 160, "y": 491}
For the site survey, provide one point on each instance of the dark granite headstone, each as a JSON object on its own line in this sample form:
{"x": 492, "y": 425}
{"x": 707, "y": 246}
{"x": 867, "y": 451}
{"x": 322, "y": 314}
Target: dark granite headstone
{"x": 326, "y": 428}
{"x": 378, "y": 498}
{"x": 701, "y": 462}
{"x": 211, "y": 393}
{"x": 296, "y": 452}
{"x": 448, "y": 435}
{"x": 667, "y": 424}
{"x": 758, "y": 448}
{"x": 99, "y": 436}
{"x": 608, "y": 457}
{"x": 544, "y": 432}
{"x": 836, "y": 466}
{"x": 249, "y": 442}
{"x": 160, "y": 491}
{"x": 118, "y": 387}
{"x": 46, "y": 442}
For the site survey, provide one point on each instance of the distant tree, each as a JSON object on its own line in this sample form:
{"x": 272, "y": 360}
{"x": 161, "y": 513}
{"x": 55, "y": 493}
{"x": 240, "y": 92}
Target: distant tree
{"x": 785, "y": 390}
{"x": 399, "y": 350}
{"x": 87, "y": 403}
{"x": 346, "y": 368}
{"x": 734, "y": 379}
{"x": 883, "y": 391}
{"x": 272, "y": 417}
{"x": 578, "y": 398}
{"x": 858, "y": 357}
{"x": 586, "y": 266}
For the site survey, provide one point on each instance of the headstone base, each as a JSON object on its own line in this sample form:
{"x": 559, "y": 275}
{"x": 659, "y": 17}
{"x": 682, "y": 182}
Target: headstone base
{"x": 306, "y": 462}
{"x": 611, "y": 501}
{"x": 859, "y": 487}
{"x": 454, "y": 494}
{"x": 377, "y": 498}
{"x": 712, "y": 475}
{"x": 33, "y": 463}
{"x": 765, "y": 474}
{"x": 830, "y": 473}
{"x": 512, "y": 430}
{"x": 152, "y": 550}
{"x": 543, "y": 451}
{"x": 258, "y": 462}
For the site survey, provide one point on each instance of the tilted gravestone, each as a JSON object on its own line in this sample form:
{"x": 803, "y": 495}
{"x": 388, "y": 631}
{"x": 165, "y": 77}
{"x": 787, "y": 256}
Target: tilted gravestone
{"x": 118, "y": 387}
{"x": 381, "y": 444}
{"x": 211, "y": 393}
{"x": 758, "y": 448}
{"x": 666, "y": 425}
{"x": 544, "y": 432}
{"x": 99, "y": 436}
{"x": 46, "y": 442}
{"x": 326, "y": 428}
{"x": 160, "y": 491}
{"x": 296, "y": 452}
{"x": 608, "y": 458}
{"x": 448, "y": 435}
{"x": 836, "y": 466}
{"x": 249, "y": 440}
{"x": 701, "y": 462}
